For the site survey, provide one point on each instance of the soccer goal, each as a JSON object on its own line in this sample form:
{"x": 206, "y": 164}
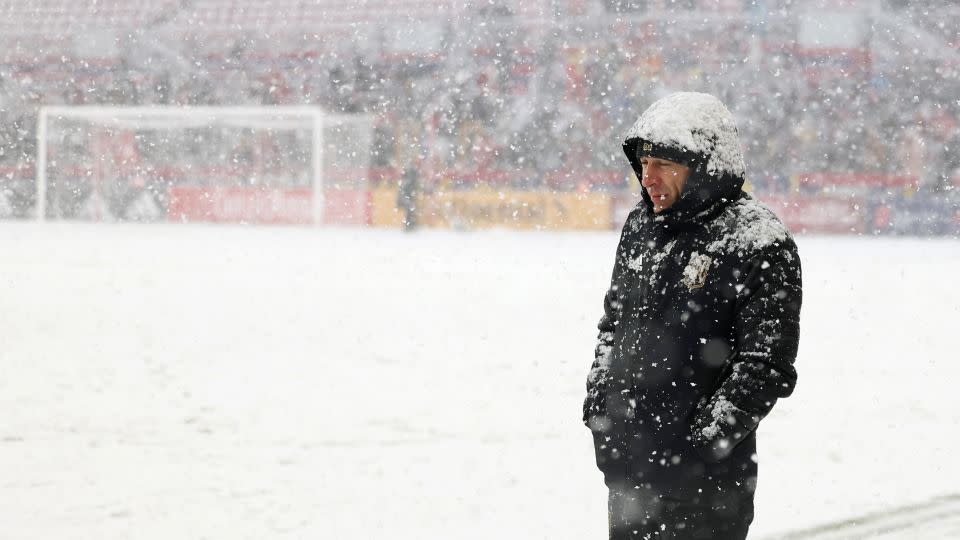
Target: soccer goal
{"x": 277, "y": 164}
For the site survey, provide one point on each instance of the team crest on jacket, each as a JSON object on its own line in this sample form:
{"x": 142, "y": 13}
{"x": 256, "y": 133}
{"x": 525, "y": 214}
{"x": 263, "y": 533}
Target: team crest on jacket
{"x": 695, "y": 274}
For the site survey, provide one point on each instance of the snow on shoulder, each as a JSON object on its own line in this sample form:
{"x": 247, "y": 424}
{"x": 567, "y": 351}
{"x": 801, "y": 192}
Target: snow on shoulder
{"x": 695, "y": 122}
{"x": 748, "y": 226}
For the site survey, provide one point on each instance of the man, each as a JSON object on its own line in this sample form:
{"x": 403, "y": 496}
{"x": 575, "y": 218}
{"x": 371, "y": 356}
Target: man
{"x": 407, "y": 198}
{"x": 699, "y": 332}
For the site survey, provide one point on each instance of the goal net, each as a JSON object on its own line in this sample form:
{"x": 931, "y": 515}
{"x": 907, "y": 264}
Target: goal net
{"x": 203, "y": 164}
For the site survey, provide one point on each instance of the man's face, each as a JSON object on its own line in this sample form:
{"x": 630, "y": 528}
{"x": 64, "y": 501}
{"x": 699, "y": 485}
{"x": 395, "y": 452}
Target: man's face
{"x": 663, "y": 181}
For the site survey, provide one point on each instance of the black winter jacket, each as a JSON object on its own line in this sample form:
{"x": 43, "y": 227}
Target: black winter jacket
{"x": 697, "y": 341}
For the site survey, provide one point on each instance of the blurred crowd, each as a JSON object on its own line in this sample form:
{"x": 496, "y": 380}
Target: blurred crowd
{"x": 543, "y": 103}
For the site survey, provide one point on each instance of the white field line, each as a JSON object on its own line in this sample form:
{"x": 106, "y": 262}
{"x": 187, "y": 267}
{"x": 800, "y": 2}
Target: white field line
{"x": 933, "y": 519}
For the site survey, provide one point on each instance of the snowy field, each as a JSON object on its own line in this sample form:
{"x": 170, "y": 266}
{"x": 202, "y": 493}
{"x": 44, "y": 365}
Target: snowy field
{"x": 186, "y": 382}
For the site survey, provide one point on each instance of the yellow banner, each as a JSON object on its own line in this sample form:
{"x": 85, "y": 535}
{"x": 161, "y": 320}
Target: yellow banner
{"x": 488, "y": 208}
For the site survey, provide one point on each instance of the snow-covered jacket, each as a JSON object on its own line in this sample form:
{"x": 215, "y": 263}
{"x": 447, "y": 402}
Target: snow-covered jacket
{"x": 701, "y": 321}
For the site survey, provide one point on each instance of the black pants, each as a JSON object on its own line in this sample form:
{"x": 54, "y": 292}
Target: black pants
{"x": 638, "y": 514}
{"x": 642, "y": 513}
{"x": 409, "y": 220}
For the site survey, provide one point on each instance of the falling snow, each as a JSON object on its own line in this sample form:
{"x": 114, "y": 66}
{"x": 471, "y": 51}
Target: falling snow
{"x": 215, "y": 328}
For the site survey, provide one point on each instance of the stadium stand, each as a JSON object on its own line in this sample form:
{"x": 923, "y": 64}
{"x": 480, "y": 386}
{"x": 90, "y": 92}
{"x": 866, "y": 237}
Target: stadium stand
{"x": 528, "y": 95}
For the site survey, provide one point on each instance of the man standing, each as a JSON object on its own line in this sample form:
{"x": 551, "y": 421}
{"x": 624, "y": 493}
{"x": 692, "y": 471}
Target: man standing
{"x": 407, "y": 198}
{"x": 699, "y": 332}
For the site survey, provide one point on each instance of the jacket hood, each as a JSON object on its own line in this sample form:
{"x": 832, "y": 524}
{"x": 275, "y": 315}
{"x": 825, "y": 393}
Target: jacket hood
{"x": 698, "y": 131}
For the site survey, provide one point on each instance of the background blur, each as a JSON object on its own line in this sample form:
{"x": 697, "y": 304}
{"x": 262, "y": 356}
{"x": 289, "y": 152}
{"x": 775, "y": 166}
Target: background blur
{"x": 499, "y": 113}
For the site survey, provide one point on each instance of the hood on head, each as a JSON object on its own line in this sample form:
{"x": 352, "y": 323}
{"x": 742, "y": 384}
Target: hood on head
{"x": 695, "y": 130}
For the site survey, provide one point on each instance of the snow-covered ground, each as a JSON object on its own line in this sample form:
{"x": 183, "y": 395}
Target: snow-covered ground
{"x": 172, "y": 381}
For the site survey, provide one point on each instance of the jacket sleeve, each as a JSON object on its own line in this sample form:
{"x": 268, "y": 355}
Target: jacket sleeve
{"x": 597, "y": 379}
{"x": 767, "y": 330}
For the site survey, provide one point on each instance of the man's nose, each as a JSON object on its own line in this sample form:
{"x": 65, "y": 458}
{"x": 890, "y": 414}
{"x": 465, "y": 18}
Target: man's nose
{"x": 649, "y": 178}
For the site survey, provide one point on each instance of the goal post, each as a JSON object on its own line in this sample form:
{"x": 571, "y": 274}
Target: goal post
{"x": 272, "y": 164}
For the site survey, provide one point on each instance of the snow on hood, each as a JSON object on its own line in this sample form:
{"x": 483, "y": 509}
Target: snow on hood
{"x": 697, "y": 124}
